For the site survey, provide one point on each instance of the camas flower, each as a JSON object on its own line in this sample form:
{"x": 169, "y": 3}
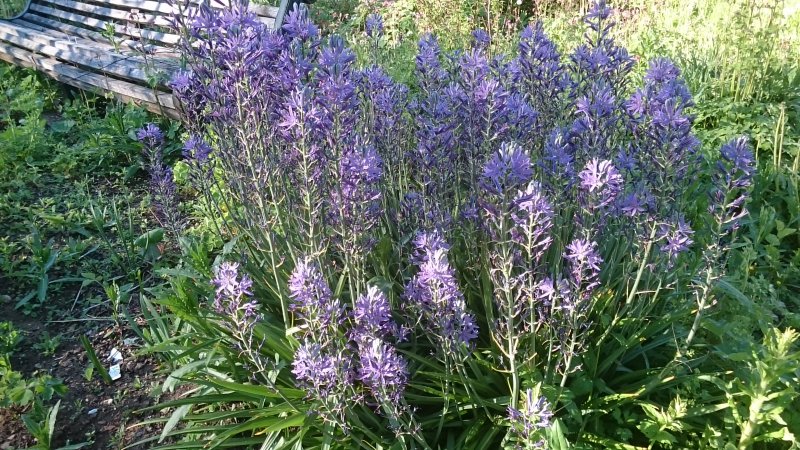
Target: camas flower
{"x": 150, "y": 136}
{"x": 733, "y": 178}
{"x": 162, "y": 184}
{"x": 382, "y": 371}
{"x": 601, "y": 180}
{"x": 313, "y": 300}
{"x": 374, "y": 26}
{"x": 631, "y": 205}
{"x": 435, "y": 299}
{"x": 298, "y": 26}
{"x": 481, "y": 39}
{"x": 533, "y": 216}
{"x": 228, "y": 283}
{"x": 507, "y": 170}
{"x": 534, "y": 416}
{"x": 372, "y": 316}
{"x": 232, "y": 291}
{"x": 584, "y": 266}
{"x": 325, "y": 376}
{"x": 429, "y": 68}
{"x": 196, "y": 149}
{"x": 677, "y": 237}
{"x": 538, "y": 73}
{"x": 739, "y": 156}
{"x": 600, "y": 60}
{"x": 181, "y": 81}
{"x": 357, "y": 205}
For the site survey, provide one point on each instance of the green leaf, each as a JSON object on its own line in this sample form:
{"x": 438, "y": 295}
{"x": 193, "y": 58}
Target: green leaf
{"x": 41, "y": 292}
{"x": 74, "y": 446}
{"x": 150, "y": 238}
{"x": 726, "y": 287}
{"x": 62, "y": 126}
{"x": 268, "y": 424}
{"x": 782, "y": 233}
{"x": 555, "y": 436}
{"x": 51, "y": 420}
{"x": 607, "y": 443}
{"x": 98, "y": 366}
{"x": 254, "y": 391}
{"x": 24, "y": 300}
{"x": 174, "y": 419}
{"x": 291, "y": 421}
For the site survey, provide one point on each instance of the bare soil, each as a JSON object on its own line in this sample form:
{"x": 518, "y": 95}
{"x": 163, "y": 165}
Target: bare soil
{"x": 92, "y": 411}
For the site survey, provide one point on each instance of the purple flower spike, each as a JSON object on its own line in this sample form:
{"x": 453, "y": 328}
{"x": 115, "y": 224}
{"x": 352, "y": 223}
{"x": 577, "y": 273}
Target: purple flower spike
{"x": 585, "y": 266}
{"x": 584, "y": 253}
{"x": 435, "y": 299}
{"x": 602, "y": 180}
{"x": 323, "y": 375}
{"x": 738, "y": 154}
{"x": 733, "y": 178}
{"x": 383, "y": 371}
{"x": 313, "y": 299}
{"x": 150, "y": 135}
{"x": 228, "y": 283}
{"x": 196, "y": 149}
{"x": 162, "y": 185}
{"x": 232, "y": 292}
{"x": 677, "y": 236}
{"x": 358, "y": 206}
{"x": 509, "y": 168}
{"x": 299, "y": 26}
{"x": 481, "y": 39}
{"x": 533, "y": 219}
{"x": 429, "y": 67}
{"x": 374, "y": 26}
{"x": 536, "y": 415}
{"x": 373, "y": 316}
{"x": 181, "y": 81}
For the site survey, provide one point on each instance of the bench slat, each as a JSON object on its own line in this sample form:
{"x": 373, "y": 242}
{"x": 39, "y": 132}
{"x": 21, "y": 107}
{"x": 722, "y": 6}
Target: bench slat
{"x": 264, "y": 10}
{"x": 142, "y": 18}
{"x": 66, "y": 39}
{"x": 81, "y": 55}
{"x": 165, "y": 8}
{"x": 101, "y": 25}
{"x": 92, "y": 38}
{"x": 159, "y": 103}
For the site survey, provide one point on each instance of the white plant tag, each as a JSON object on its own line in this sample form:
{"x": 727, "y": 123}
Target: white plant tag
{"x": 115, "y": 372}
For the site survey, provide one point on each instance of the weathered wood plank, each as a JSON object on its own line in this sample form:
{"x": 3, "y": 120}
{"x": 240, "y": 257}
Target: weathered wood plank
{"x": 161, "y": 7}
{"x": 102, "y": 25}
{"x": 66, "y": 40}
{"x": 45, "y": 24}
{"x": 164, "y": 55}
{"x": 160, "y": 103}
{"x": 127, "y": 16}
{"x": 150, "y": 6}
{"x": 264, "y": 10}
{"x": 268, "y": 21}
{"x": 130, "y": 67}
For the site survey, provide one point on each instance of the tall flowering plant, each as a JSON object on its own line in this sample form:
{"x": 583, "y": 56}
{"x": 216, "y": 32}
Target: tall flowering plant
{"x": 495, "y": 256}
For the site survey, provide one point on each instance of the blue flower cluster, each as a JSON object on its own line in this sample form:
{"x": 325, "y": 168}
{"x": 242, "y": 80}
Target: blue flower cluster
{"x": 542, "y": 170}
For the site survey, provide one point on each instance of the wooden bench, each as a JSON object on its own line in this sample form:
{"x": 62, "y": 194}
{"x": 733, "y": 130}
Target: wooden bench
{"x": 124, "y": 47}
